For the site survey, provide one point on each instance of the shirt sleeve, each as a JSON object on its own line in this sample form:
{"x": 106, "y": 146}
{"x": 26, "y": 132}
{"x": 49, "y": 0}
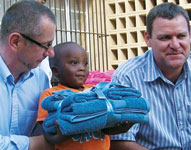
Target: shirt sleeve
{"x": 14, "y": 142}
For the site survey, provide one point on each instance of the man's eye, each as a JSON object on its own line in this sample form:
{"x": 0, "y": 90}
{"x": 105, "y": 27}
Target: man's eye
{"x": 181, "y": 36}
{"x": 49, "y": 44}
{"x": 163, "y": 38}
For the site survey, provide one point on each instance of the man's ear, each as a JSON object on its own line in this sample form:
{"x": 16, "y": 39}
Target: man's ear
{"x": 147, "y": 39}
{"x": 14, "y": 39}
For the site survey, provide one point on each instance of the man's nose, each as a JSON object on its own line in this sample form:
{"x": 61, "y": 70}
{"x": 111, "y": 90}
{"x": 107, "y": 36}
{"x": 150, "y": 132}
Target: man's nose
{"x": 49, "y": 52}
{"x": 175, "y": 43}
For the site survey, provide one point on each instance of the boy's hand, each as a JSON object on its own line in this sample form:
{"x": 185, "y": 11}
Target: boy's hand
{"x": 56, "y": 138}
{"x": 120, "y": 128}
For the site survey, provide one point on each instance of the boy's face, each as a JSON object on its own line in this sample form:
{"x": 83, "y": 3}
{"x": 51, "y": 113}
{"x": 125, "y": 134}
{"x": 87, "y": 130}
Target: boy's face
{"x": 74, "y": 69}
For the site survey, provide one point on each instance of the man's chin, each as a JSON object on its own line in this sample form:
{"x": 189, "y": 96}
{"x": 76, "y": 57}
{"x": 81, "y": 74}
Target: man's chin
{"x": 30, "y": 66}
{"x": 176, "y": 64}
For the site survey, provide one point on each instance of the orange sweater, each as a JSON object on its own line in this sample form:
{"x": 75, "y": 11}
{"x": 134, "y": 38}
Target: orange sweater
{"x": 93, "y": 144}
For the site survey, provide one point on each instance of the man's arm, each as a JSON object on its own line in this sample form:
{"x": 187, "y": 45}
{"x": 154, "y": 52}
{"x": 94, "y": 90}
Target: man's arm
{"x": 39, "y": 143}
{"x": 14, "y": 142}
{"x": 126, "y": 145}
{"x": 19, "y": 142}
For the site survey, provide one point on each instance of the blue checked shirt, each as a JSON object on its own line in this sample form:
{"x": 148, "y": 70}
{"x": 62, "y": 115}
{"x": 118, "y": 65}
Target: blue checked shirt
{"x": 19, "y": 106}
{"x": 169, "y": 125}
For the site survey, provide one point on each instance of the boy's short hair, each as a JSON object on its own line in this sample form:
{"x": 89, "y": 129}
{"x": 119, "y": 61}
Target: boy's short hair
{"x": 55, "y": 61}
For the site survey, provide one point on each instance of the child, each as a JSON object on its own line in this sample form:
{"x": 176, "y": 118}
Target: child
{"x": 70, "y": 67}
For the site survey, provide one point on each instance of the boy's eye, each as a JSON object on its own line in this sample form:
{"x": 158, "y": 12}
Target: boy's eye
{"x": 73, "y": 62}
{"x": 86, "y": 64}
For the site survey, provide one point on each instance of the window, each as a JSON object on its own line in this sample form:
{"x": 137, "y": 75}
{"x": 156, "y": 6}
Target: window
{"x": 83, "y": 22}
{"x": 80, "y": 21}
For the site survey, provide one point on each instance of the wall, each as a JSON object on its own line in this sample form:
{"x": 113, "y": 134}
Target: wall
{"x": 125, "y": 22}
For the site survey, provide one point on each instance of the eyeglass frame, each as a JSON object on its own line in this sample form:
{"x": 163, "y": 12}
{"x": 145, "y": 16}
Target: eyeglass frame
{"x": 36, "y": 42}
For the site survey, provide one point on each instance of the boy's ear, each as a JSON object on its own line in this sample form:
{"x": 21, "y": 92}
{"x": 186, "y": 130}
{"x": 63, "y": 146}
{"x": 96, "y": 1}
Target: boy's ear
{"x": 54, "y": 70}
{"x": 55, "y": 79}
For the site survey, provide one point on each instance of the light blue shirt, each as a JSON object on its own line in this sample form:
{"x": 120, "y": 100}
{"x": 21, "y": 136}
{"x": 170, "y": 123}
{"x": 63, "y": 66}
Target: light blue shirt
{"x": 169, "y": 126}
{"x": 19, "y": 107}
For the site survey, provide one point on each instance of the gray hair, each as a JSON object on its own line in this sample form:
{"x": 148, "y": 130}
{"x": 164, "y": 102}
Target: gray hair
{"x": 25, "y": 17}
{"x": 165, "y": 10}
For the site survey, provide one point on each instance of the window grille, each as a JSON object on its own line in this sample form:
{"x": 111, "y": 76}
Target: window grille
{"x": 83, "y": 22}
{"x": 80, "y": 21}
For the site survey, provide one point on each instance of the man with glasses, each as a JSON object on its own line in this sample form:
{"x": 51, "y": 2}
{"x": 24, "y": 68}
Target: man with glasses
{"x": 27, "y": 31}
{"x": 46, "y": 46}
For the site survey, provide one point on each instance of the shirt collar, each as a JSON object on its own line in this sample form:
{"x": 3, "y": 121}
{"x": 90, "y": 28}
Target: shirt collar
{"x": 6, "y": 75}
{"x": 152, "y": 71}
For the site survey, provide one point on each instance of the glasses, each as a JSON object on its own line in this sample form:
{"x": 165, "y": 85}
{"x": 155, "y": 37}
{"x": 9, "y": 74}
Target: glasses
{"x": 46, "y": 47}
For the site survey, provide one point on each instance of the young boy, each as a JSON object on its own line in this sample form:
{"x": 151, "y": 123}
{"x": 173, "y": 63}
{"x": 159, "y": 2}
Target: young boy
{"x": 70, "y": 67}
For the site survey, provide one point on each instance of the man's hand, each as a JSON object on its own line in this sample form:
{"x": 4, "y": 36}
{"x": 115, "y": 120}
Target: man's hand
{"x": 126, "y": 145}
